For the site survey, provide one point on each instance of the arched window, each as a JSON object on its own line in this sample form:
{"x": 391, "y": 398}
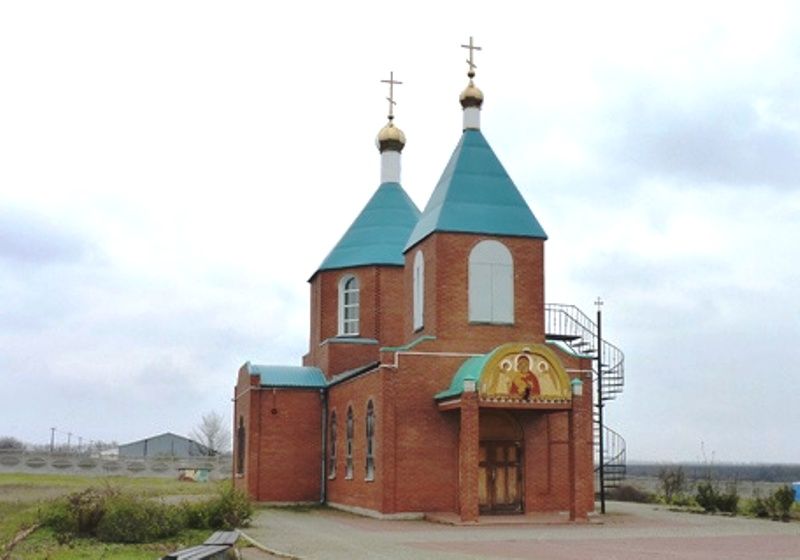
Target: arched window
{"x": 370, "y": 425}
{"x": 348, "y": 470}
{"x": 332, "y": 447}
{"x": 419, "y": 290}
{"x": 348, "y": 306}
{"x": 240, "y": 443}
{"x": 491, "y": 283}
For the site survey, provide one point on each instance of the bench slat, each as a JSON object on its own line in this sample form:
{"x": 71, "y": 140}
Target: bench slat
{"x": 223, "y": 537}
{"x": 199, "y": 552}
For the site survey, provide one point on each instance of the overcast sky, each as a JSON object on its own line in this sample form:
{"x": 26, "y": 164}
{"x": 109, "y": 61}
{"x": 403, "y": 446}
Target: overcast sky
{"x": 172, "y": 173}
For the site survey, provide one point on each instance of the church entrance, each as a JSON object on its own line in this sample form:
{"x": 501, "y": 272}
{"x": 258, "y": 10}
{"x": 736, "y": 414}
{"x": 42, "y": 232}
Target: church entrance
{"x": 499, "y": 477}
{"x": 499, "y": 463}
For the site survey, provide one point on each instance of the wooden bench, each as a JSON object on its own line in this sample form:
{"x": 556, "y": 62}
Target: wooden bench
{"x": 215, "y": 548}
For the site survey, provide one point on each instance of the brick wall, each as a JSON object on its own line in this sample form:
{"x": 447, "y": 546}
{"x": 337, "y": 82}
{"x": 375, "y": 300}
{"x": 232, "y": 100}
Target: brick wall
{"x": 283, "y": 430}
{"x": 447, "y": 288}
{"x": 381, "y": 315}
{"x": 355, "y": 394}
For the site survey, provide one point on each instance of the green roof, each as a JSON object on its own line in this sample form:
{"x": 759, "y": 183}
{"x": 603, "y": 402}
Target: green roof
{"x": 476, "y": 195}
{"x": 469, "y": 371}
{"x": 378, "y": 234}
{"x": 288, "y": 376}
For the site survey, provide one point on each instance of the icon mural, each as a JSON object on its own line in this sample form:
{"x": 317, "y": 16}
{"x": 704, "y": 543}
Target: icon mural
{"x": 525, "y": 373}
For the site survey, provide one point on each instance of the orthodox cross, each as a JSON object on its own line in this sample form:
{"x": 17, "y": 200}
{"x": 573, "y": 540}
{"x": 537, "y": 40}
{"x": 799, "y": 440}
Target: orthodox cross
{"x": 471, "y": 48}
{"x": 392, "y": 82}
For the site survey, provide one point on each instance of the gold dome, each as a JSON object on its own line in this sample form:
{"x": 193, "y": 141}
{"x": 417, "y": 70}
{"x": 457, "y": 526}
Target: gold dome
{"x": 471, "y": 96}
{"x": 390, "y": 138}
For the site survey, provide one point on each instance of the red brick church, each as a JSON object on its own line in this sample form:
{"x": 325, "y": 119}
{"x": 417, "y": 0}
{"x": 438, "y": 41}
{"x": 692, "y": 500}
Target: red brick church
{"x": 431, "y": 383}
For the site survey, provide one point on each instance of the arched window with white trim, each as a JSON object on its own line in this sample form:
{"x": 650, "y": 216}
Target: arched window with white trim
{"x": 348, "y": 306}
{"x": 419, "y": 290}
{"x": 491, "y": 283}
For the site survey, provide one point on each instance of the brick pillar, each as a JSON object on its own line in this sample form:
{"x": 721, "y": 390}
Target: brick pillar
{"x": 468, "y": 458}
{"x": 387, "y": 445}
{"x": 580, "y": 461}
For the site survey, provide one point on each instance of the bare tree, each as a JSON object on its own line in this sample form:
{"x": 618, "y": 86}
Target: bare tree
{"x": 213, "y": 433}
{"x": 11, "y": 443}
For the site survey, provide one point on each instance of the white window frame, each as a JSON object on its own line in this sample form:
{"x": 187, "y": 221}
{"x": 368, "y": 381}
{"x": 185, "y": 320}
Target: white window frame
{"x": 350, "y": 432}
{"x": 419, "y": 291}
{"x": 349, "y": 290}
{"x": 332, "y": 430}
{"x": 369, "y": 425}
{"x": 491, "y": 283}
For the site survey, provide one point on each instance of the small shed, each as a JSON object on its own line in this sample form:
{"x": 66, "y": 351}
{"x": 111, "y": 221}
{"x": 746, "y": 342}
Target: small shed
{"x": 165, "y": 445}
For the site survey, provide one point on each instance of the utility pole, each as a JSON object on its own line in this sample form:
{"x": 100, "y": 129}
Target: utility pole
{"x": 599, "y": 304}
{"x": 69, "y": 440}
{"x": 52, "y": 440}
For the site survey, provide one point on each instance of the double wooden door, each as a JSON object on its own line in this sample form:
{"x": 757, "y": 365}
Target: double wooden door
{"x": 500, "y": 476}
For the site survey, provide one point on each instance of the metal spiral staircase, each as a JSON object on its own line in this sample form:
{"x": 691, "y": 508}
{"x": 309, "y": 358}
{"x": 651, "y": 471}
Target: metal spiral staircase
{"x": 572, "y": 327}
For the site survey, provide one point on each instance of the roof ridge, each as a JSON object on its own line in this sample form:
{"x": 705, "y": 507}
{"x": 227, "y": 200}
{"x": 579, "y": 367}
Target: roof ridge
{"x": 378, "y": 233}
{"x": 475, "y": 194}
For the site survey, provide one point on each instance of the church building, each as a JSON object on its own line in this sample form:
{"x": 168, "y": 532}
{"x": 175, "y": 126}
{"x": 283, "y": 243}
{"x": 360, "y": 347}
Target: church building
{"x": 431, "y": 383}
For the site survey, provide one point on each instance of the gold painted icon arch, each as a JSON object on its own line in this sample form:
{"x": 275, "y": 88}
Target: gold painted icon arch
{"x": 524, "y": 372}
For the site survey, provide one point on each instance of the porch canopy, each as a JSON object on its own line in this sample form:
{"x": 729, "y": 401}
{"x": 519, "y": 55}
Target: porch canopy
{"x": 513, "y": 375}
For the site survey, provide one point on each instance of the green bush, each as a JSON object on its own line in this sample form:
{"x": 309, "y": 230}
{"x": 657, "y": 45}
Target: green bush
{"x": 777, "y": 506}
{"x": 784, "y": 500}
{"x": 706, "y": 496}
{"x": 112, "y": 516}
{"x": 673, "y": 482}
{"x": 231, "y": 508}
{"x": 711, "y": 499}
{"x": 195, "y": 514}
{"x": 78, "y": 513}
{"x": 134, "y": 520}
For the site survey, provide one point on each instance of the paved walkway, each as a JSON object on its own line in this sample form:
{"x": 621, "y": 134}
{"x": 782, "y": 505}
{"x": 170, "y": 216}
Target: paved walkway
{"x": 627, "y": 532}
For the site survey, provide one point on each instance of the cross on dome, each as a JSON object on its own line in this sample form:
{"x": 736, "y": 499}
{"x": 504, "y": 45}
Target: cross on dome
{"x": 392, "y": 82}
{"x": 472, "y": 48}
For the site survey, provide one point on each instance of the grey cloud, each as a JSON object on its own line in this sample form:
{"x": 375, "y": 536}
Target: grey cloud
{"x": 719, "y": 140}
{"x": 29, "y": 238}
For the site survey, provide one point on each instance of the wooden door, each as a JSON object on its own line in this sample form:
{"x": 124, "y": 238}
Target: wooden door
{"x": 500, "y": 477}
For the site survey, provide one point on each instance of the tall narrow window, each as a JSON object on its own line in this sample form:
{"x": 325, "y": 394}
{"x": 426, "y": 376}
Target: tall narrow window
{"x": 332, "y": 447}
{"x": 348, "y": 306}
{"x": 240, "y": 443}
{"x": 491, "y": 283}
{"x": 419, "y": 290}
{"x": 370, "y": 425}
{"x": 348, "y": 470}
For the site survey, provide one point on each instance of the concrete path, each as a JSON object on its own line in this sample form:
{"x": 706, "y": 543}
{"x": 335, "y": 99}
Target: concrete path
{"x": 627, "y": 532}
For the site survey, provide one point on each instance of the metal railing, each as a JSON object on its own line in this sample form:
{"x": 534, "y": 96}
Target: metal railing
{"x": 571, "y": 326}
{"x": 568, "y": 324}
{"x": 614, "y": 460}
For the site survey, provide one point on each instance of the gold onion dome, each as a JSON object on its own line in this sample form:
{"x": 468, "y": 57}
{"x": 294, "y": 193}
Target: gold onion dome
{"x": 390, "y": 137}
{"x": 471, "y": 96}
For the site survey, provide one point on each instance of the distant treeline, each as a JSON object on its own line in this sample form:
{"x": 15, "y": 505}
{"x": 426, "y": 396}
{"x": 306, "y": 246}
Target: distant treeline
{"x": 726, "y": 471}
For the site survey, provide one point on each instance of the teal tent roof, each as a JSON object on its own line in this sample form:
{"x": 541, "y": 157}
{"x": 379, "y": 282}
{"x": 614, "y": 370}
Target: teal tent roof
{"x": 469, "y": 371}
{"x": 476, "y": 195}
{"x": 288, "y": 376}
{"x": 378, "y": 234}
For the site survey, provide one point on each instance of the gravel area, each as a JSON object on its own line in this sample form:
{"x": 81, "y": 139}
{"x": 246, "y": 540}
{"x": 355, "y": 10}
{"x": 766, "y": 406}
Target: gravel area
{"x": 628, "y": 531}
